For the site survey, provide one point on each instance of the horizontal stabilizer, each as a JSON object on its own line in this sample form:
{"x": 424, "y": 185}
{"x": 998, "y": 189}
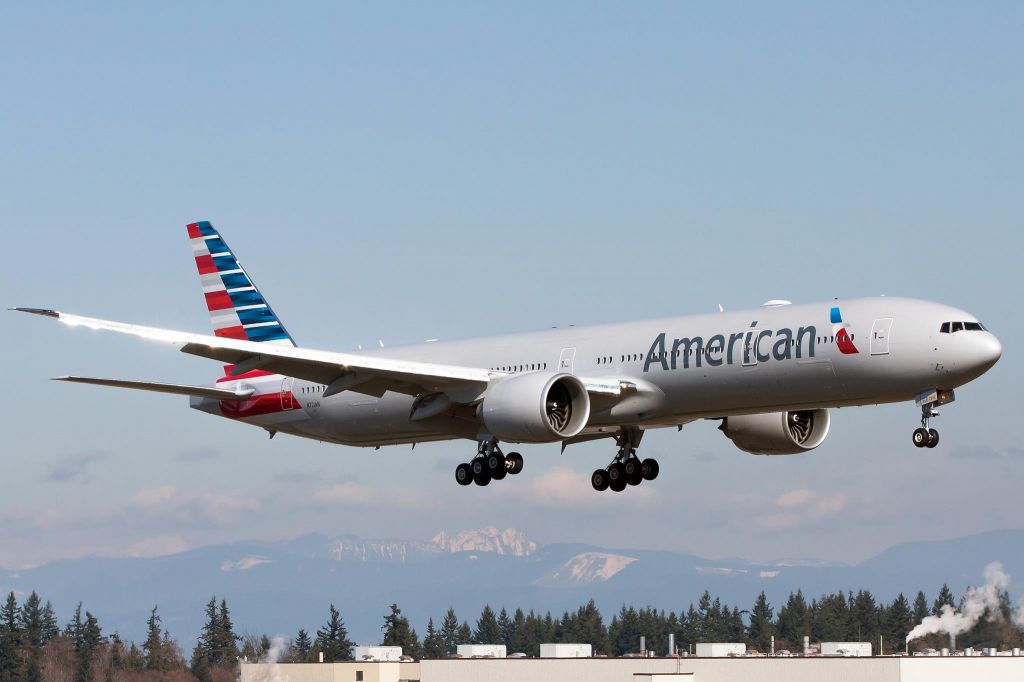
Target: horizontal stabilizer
{"x": 177, "y": 389}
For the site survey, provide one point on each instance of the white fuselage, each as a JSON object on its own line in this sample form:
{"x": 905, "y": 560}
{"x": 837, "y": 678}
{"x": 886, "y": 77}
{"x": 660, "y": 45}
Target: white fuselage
{"x": 772, "y": 358}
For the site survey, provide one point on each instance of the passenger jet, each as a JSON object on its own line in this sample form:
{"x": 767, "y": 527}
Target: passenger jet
{"x": 769, "y": 374}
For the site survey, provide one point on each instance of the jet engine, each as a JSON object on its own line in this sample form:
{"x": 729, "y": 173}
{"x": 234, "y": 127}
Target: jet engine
{"x": 778, "y": 433}
{"x": 538, "y": 407}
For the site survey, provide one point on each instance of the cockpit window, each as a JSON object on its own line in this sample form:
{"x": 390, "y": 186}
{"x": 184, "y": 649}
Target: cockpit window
{"x": 953, "y": 327}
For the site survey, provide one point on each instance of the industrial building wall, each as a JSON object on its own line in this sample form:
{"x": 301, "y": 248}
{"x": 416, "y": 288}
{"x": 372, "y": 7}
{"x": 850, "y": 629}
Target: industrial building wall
{"x": 622, "y": 669}
{"x": 959, "y": 669}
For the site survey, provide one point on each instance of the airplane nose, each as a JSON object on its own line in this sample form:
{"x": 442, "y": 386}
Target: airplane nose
{"x": 987, "y": 351}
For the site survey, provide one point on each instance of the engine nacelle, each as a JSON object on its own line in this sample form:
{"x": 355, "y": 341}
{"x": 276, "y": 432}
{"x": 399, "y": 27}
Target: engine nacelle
{"x": 538, "y": 407}
{"x": 778, "y": 433}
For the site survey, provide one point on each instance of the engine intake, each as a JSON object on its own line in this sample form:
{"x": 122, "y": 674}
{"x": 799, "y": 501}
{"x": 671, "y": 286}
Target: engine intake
{"x": 538, "y": 407}
{"x": 778, "y": 433}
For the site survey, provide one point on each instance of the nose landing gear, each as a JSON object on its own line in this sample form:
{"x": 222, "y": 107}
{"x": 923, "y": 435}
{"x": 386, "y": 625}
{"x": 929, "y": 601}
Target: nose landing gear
{"x": 626, "y": 469}
{"x": 926, "y": 437}
{"x": 490, "y": 464}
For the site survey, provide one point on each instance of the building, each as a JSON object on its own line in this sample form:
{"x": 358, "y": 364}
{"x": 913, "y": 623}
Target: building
{"x": 566, "y": 650}
{"x": 846, "y": 648}
{"x": 738, "y": 669}
{"x": 719, "y": 649}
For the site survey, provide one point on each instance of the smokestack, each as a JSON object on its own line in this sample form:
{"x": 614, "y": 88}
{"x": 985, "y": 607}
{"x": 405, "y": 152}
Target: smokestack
{"x": 952, "y": 641}
{"x": 773, "y": 645}
{"x": 671, "y": 644}
{"x": 643, "y": 645}
{"x": 807, "y": 645}
{"x": 321, "y": 657}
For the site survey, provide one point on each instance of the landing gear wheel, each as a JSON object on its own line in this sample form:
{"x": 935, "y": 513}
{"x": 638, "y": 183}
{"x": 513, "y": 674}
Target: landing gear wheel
{"x": 633, "y": 470}
{"x": 496, "y": 465}
{"x": 482, "y": 478}
{"x": 921, "y": 438}
{"x": 599, "y": 479}
{"x": 617, "y": 477}
{"x": 515, "y": 462}
{"x": 650, "y": 469}
{"x": 464, "y": 474}
{"x": 933, "y": 438}
{"x": 479, "y": 467}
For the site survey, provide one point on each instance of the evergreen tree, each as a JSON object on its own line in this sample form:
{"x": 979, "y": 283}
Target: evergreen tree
{"x": 589, "y": 628}
{"x": 795, "y": 620}
{"x": 302, "y": 646}
{"x": 333, "y": 639}
{"x": 920, "y": 607}
{"x": 530, "y": 634}
{"x": 73, "y": 630}
{"x": 200, "y": 664}
{"x": 505, "y": 626}
{"x": 50, "y": 629}
{"x": 226, "y": 651}
{"x": 487, "y": 630}
{"x": 87, "y": 644}
{"x": 10, "y": 640}
{"x": 450, "y": 632}
{"x": 762, "y": 623}
{"x": 624, "y": 631}
{"x": 135, "y": 659}
{"x": 153, "y": 646}
{"x": 897, "y": 622}
{"x": 945, "y": 598}
{"x": 397, "y": 632}
{"x": 864, "y": 623}
{"x": 465, "y": 634}
{"x": 31, "y": 630}
{"x": 518, "y": 623}
{"x": 433, "y": 642}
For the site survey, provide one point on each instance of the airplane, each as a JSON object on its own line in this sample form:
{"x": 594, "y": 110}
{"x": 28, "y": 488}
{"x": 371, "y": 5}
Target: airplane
{"x": 769, "y": 374}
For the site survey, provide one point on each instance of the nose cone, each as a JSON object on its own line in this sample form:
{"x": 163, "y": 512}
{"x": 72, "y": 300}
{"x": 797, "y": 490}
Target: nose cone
{"x": 986, "y": 351}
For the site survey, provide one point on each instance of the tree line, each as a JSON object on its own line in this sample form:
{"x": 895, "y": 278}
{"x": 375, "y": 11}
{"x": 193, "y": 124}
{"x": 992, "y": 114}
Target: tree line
{"x": 33, "y": 647}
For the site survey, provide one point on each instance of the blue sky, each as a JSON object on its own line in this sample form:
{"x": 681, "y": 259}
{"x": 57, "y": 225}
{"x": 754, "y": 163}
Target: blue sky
{"x": 424, "y": 170}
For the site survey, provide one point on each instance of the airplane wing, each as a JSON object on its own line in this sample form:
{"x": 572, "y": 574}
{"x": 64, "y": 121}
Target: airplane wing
{"x": 337, "y": 371}
{"x": 177, "y": 389}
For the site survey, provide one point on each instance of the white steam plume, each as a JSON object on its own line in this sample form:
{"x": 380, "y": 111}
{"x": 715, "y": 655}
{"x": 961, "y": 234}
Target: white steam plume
{"x": 977, "y": 602}
{"x": 278, "y": 647}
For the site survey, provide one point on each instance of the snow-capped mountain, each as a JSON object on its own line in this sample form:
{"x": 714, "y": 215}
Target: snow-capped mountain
{"x": 509, "y": 542}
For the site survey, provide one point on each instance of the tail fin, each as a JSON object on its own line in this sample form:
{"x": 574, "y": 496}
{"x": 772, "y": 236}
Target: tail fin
{"x": 237, "y": 308}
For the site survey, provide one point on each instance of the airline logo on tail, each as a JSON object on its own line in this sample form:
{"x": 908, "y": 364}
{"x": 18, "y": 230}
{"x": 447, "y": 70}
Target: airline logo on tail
{"x": 843, "y": 340}
{"x": 237, "y": 308}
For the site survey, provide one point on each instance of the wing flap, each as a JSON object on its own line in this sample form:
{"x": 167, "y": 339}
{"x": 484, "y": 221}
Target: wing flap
{"x": 156, "y": 387}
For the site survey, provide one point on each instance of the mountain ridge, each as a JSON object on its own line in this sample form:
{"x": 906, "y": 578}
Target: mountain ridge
{"x": 279, "y": 586}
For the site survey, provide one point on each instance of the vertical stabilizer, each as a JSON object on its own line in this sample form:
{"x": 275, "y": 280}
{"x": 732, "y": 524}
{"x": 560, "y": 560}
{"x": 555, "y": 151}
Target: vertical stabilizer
{"x": 237, "y": 308}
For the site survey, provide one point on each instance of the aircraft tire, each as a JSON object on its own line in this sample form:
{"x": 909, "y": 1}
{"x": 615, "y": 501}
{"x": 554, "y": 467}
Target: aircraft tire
{"x": 496, "y": 463}
{"x": 650, "y": 469}
{"x": 478, "y": 466}
{"x": 921, "y": 437}
{"x": 599, "y": 479}
{"x": 464, "y": 474}
{"x": 516, "y": 462}
{"x": 933, "y": 438}
{"x": 634, "y": 471}
{"x": 616, "y": 477}
{"x": 482, "y": 479}
{"x": 498, "y": 475}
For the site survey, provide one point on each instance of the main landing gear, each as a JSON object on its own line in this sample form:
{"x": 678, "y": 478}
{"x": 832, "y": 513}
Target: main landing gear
{"x": 489, "y": 464}
{"x": 626, "y": 468}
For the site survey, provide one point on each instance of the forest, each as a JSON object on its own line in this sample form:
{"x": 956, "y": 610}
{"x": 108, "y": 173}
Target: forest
{"x": 34, "y": 647}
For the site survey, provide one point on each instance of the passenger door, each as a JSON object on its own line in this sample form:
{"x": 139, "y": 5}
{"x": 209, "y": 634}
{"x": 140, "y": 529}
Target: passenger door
{"x": 880, "y": 336}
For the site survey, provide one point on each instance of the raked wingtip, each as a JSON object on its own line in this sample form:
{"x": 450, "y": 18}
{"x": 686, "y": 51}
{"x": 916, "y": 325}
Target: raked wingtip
{"x": 37, "y": 311}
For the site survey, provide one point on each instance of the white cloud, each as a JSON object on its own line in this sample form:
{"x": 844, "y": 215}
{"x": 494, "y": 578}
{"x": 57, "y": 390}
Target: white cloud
{"x": 799, "y": 508}
{"x": 160, "y": 545}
